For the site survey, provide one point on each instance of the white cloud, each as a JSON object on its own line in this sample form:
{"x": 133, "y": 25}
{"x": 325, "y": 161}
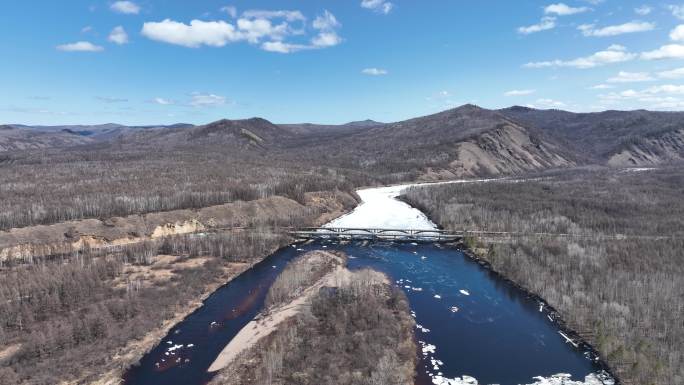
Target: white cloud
{"x": 267, "y": 14}
{"x": 669, "y": 51}
{"x": 658, "y": 97}
{"x": 676, "y": 73}
{"x": 230, "y": 10}
{"x": 613, "y": 54}
{"x": 193, "y": 35}
{"x": 125, "y": 7}
{"x": 380, "y": 6}
{"x": 519, "y": 92}
{"x": 163, "y": 101}
{"x": 267, "y": 29}
{"x": 326, "y": 39}
{"x": 281, "y": 47}
{"x": 327, "y": 21}
{"x": 86, "y": 29}
{"x": 562, "y": 9}
{"x": 118, "y": 36}
{"x": 80, "y": 46}
{"x": 631, "y": 77}
{"x": 677, "y": 34}
{"x": 643, "y": 10}
{"x": 602, "y": 87}
{"x": 374, "y": 71}
{"x": 199, "y": 99}
{"x": 327, "y": 36}
{"x": 614, "y": 30}
{"x": 547, "y": 103}
{"x": 677, "y": 11}
{"x": 546, "y": 23}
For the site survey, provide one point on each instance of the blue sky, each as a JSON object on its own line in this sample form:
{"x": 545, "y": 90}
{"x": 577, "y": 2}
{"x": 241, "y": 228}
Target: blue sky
{"x": 332, "y": 61}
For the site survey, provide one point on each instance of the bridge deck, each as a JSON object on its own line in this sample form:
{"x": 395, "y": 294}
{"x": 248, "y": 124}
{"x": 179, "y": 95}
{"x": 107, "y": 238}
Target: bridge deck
{"x": 419, "y": 235}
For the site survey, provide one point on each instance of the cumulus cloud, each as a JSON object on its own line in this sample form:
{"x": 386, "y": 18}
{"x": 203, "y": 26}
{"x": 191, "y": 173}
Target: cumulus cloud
{"x": 519, "y": 92}
{"x": 125, "y": 7}
{"x": 676, "y": 73}
{"x": 118, "y": 36}
{"x": 379, "y": 6}
{"x": 193, "y": 35}
{"x": 562, "y": 9}
{"x": 613, "y": 54}
{"x": 631, "y": 77}
{"x": 374, "y": 71}
{"x": 327, "y": 36}
{"x": 677, "y": 34}
{"x": 643, "y": 10}
{"x": 199, "y": 99}
{"x": 546, "y": 23}
{"x": 669, "y": 51}
{"x": 80, "y": 46}
{"x": 267, "y": 29}
{"x": 614, "y": 30}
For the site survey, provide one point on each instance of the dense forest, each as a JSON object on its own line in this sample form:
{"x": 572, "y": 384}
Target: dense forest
{"x": 616, "y": 271}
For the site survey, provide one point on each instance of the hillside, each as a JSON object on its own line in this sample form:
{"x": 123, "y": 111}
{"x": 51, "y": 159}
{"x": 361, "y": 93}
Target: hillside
{"x": 618, "y": 138}
{"x": 20, "y": 139}
{"x": 254, "y": 133}
{"x": 465, "y": 141}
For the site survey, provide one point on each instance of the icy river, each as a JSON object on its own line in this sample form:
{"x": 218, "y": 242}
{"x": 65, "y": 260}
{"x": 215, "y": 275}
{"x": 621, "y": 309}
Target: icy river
{"x": 473, "y": 327}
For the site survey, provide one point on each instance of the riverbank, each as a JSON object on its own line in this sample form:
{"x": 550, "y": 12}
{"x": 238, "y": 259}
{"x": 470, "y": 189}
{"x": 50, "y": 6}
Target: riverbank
{"x": 618, "y": 294}
{"x": 326, "y": 325}
{"x": 114, "y": 305}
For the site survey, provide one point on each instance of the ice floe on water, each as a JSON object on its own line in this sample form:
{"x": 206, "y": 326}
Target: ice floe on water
{"x": 438, "y": 296}
{"x": 380, "y": 209}
{"x": 422, "y": 328}
{"x": 600, "y": 378}
{"x": 464, "y": 292}
{"x": 454, "y": 309}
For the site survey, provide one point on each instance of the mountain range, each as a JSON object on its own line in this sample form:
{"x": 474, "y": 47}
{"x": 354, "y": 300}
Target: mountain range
{"x": 464, "y": 141}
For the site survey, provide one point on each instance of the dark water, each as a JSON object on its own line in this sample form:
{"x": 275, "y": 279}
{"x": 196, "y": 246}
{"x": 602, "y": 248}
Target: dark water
{"x": 496, "y": 333}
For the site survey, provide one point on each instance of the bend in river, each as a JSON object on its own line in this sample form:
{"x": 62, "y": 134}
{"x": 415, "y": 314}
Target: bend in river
{"x": 473, "y": 327}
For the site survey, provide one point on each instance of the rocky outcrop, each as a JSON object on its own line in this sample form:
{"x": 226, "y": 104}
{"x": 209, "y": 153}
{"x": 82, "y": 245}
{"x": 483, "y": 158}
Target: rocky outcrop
{"x": 651, "y": 151}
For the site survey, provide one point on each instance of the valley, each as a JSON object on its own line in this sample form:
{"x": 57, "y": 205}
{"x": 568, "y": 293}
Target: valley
{"x": 112, "y": 238}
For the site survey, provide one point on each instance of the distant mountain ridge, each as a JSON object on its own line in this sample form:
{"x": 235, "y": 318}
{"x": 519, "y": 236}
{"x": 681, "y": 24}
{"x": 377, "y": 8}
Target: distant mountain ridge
{"x": 463, "y": 141}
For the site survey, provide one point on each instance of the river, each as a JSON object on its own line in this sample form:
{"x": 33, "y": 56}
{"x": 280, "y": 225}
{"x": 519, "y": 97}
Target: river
{"x": 473, "y": 327}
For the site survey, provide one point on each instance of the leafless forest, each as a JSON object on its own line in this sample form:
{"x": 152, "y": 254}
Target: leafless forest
{"x": 359, "y": 333}
{"x": 45, "y": 188}
{"x": 82, "y": 308}
{"x": 624, "y": 295}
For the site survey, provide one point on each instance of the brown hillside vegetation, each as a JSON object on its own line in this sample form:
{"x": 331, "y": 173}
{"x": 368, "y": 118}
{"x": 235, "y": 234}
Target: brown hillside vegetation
{"x": 625, "y": 296}
{"x": 354, "y": 330}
